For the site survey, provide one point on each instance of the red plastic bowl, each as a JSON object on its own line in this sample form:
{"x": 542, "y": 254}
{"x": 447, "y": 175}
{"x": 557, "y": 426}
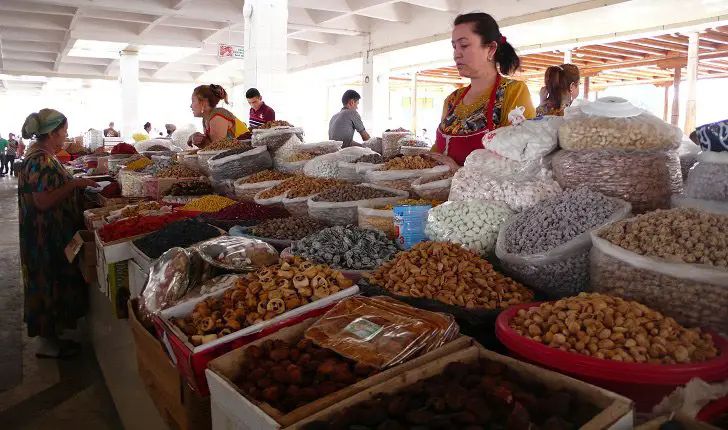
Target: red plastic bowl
{"x": 713, "y": 410}
{"x": 646, "y": 384}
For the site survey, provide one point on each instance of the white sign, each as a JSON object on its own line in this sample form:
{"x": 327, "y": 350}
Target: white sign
{"x": 231, "y": 51}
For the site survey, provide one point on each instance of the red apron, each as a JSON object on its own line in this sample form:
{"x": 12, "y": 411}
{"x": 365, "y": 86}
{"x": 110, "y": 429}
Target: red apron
{"x": 463, "y": 144}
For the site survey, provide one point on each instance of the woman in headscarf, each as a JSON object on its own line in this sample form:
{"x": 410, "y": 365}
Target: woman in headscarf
{"x": 55, "y": 292}
{"x": 218, "y": 123}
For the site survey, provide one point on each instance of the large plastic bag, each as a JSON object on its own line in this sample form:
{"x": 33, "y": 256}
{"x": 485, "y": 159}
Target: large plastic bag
{"x": 93, "y": 139}
{"x": 708, "y": 179}
{"x": 495, "y": 165}
{"x": 612, "y": 122}
{"x": 390, "y": 142}
{"x": 275, "y": 138}
{"x": 696, "y": 295}
{"x": 402, "y": 179}
{"x": 474, "y": 224}
{"x": 237, "y": 253}
{"x": 204, "y": 156}
{"x": 344, "y": 213}
{"x": 293, "y": 160}
{"x": 433, "y": 187}
{"x": 646, "y": 179}
{"x": 688, "y": 153}
{"x": 714, "y": 206}
{"x": 327, "y": 166}
{"x": 375, "y": 144}
{"x": 562, "y": 271}
{"x": 132, "y": 183}
{"x": 145, "y": 145}
{"x": 236, "y": 166}
{"x": 182, "y": 134}
{"x": 377, "y": 219}
{"x": 528, "y": 140}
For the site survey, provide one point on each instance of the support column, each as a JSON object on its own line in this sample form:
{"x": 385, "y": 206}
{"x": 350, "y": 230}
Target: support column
{"x": 266, "y": 50}
{"x": 567, "y": 56}
{"x": 414, "y": 104}
{"x": 690, "y": 111}
{"x": 375, "y": 93}
{"x": 586, "y": 87}
{"x": 367, "y": 85}
{"x": 129, "y": 80}
{"x": 676, "y": 96}
{"x": 666, "y": 103}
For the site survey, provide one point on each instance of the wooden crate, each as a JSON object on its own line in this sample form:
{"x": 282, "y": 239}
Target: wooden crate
{"x": 617, "y": 411}
{"x": 688, "y": 423}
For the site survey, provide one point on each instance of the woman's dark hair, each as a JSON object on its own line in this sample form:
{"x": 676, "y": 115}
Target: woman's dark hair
{"x": 487, "y": 28}
{"x": 350, "y": 95}
{"x": 212, "y": 93}
{"x": 147, "y": 125}
{"x": 558, "y": 80}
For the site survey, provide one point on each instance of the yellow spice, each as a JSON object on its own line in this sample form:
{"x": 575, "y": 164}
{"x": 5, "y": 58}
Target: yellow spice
{"x": 208, "y": 204}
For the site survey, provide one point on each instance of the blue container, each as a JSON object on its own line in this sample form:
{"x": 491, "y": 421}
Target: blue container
{"x": 409, "y": 224}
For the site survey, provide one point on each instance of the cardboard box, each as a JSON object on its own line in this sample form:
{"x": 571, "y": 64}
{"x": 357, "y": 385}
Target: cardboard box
{"x": 145, "y": 263}
{"x": 177, "y": 404}
{"x": 617, "y": 411}
{"x": 137, "y": 279}
{"x": 95, "y": 218}
{"x": 687, "y": 422}
{"x": 233, "y": 410}
{"x": 83, "y": 244}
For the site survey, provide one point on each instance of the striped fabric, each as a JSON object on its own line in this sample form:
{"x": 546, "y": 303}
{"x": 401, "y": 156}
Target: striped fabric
{"x": 261, "y": 116}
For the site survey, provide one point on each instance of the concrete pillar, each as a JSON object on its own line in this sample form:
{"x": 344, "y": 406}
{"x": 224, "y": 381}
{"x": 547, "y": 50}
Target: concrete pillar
{"x": 567, "y": 56}
{"x": 266, "y": 29}
{"x": 414, "y": 103}
{"x": 587, "y": 81}
{"x": 368, "y": 79}
{"x": 666, "y": 103}
{"x": 129, "y": 79}
{"x": 676, "y": 96}
{"x": 374, "y": 106}
{"x": 690, "y": 111}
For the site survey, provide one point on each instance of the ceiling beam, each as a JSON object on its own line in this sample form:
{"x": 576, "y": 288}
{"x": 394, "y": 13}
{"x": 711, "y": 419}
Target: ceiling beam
{"x": 68, "y": 41}
{"x": 314, "y": 37}
{"x": 179, "y": 4}
{"x": 330, "y": 5}
{"x": 628, "y": 46}
{"x": 441, "y": 5}
{"x": 26, "y": 6}
{"x": 297, "y": 47}
{"x": 714, "y": 36}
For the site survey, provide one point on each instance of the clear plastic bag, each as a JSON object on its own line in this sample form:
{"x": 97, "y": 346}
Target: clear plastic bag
{"x": 695, "y": 295}
{"x": 327, "y": 166}
{"x": 402, "y": 179}
{"x": 377, "y": 219}
{"x": 375, "y": 144}
{"x": 708, "y": 179}
{"x": 192, "y": 161}
{"x": 587, "y": 126}
{"x": 245, "y": 191}
{"x": 529, "y": 140}
{"x": 433, "y": 190}
{"x": 562, "y": 271}
{"x": 390, "y": 142}
{"x": 239, "y": 165}
{"x": 413, "y": 150}
{"x": 688, "y": 153}
{"x": 237, "y": 253}
{"x": 275, "y": 138}
{"x": 344, "y": 213}
{"x": 647, "y": 180}
{"x": 133, "y": 183}
{"x": 495, "y": 165}
{"x": 204, "y": 156}
{"x": 242, "y": 231}
{"x": 168, "y": 282}
{"x": 474, "y": 224}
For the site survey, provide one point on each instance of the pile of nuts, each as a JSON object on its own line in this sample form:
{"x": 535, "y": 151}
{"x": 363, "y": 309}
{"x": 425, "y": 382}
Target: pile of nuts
{"x": 223, "y": 144}
{"x": 608, "y": 327}
{"x": 476, "y": 394}
{"x": 642, "y": 132}
{"x": 312, "y": 186}
{"x": 346, "y": 248}
{"x": 265, "y": 176}
{"x": 645, "y": 179}
{"x": 237, "y": 150}
{"x": 548, "y": 225}
{"x": 350, "y": 193}
{"x": 410, "y": 162}
{"x": 518, "y": 194}
{"x": 260, "y": 296}
{"x": 274, "y": 124}
{"x": 301, "y": 156}
{"x": 287, "y": 228}
{"x": 178, "y": 171}
{"x": 707, "y": 181}
{"x": 371, "y": 158}
{"x": 283, "y": 187}
{"x": 192, "y": 188}
{"x": 446, "y": 175}
{"x": 288, "y": 376}
{"x": 472, "y": 224}
{"x": 451, "y": 274}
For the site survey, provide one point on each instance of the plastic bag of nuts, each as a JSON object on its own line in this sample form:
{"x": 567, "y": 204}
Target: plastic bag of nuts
{"x": 708, "y": 179}
{"x": 645, "y": 179}
{"x": 296, "y": 199}
{"x": 400, "y": 173}
{"x": 335, "y": 206}
{"x": 377, "y": 219}
{"x": 337, "y": 165}
{"x": 433, "y": 187}
{"x": 275, "y": 138}
{"x": 246, "y": 188}
{"x": 694, "y": 294}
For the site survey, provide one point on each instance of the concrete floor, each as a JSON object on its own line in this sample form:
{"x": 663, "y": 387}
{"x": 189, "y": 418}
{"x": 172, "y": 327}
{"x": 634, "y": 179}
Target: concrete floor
{"x": 43, "y": 394}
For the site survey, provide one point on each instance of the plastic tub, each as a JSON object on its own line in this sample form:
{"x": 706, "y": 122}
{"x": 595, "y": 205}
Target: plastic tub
{"x": 646, "y": 384}
{"x": 713, "y": 410}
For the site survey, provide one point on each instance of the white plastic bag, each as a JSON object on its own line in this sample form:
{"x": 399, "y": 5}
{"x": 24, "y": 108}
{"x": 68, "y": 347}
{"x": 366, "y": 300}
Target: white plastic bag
{"x": 182, "y": 135}
{"x": 327, "y": 166}
{"x": 375, "y": 144}
{"x": 204, "y": 156}
{"x": 402, "y": 179}
{"x": 708, "y": 178}
{"x": 236, "y": 166}
{"x": 344, "y": 213}
{"x": 275, "y": 138}
{"x": 496, "y": 165}
{"x": 688, "y": 153}
{"x": 429, "y": 187}
{"x": 290, "y": 160}
{"x": 529, "y": 140}
{"x": 390, "y": 142}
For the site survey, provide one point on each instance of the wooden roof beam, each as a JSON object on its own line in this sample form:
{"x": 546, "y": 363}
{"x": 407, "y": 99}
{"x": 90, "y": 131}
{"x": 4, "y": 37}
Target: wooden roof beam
{"x": 591, "y": 52}
{"x": 604, "y": 49}
{"x": 714, "y": 36}
{"x": 659, "y": 44}
{"x": 638, "y": 48}
{"x": 683, "y": 40}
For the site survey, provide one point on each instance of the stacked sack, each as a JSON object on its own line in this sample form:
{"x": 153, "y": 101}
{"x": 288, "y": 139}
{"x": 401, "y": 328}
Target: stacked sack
{"x": 514, "y": 166}
{"x": 621, "y": 151}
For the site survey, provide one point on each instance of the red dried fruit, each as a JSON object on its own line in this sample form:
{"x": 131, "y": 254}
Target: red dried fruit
{"x": 308, "y": 394}
{"x": 419, "y": 417}
{"x": 362, "y": 369}
{"x": 327, "y": 367}
{"x": 519, "y": 419}
{"x": 304, "y": 344}
{"x": 264, "y": 383}
{"x": 253, "y": 352}
{"x": 456, "y": 371}
{"x": 279, "y": 354}
{"x": 256, "y": 374}
{"x": 295, "y": 355}
{"x": 271, "y": 394}
{"x": 305, "y": 358}
{"x": 281, "y": 375}
{"x": 295, "y": 374}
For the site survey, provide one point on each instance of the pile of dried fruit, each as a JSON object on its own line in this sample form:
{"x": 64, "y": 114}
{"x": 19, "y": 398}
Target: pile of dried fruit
{"x": 223, "y": 144}
{"x": 273, "y": 124}
{"x": 246, "y": 210}
{"x": 350, "y": 193}
{"x": 137, "y": 225}
{"x": 208, "y": 204}
{"x": 192, "y": 188}
{"x": 451, "y": 274}
{"x": 347, "y": 247}
{"x": 313, "y": 186}
{"x": 415, "y": 202}
{"x": 370, "y": 158}
{"x": 288, "y": 228}
{"x": 410, "y": 162}
{"x": 178, "y": 171}
{"x": 176, "y": 234}
{"x": 266, "y": 175}
{"x": 260, "y": 296}
{"x": 612, "y": 328}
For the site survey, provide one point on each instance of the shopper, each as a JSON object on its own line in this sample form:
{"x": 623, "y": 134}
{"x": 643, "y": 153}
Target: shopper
{"x": 260, "y": 113}
{"x": 561, "y": 88}
{"x": 171, "y": 128}
{"x": 55, "y": 292}
{"x": 148, "y": 128}
{"x": 10, "y": 154}
{"x": 480, "y": 51}
{"x": 3, "y": 147}
{"x": 110, "y": 132}
{"x": 343, "y": 124}
{"x": 217, "y": 122}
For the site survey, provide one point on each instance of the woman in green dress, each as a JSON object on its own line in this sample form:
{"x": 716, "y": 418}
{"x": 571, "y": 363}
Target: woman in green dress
{"x": 55, "y": 292}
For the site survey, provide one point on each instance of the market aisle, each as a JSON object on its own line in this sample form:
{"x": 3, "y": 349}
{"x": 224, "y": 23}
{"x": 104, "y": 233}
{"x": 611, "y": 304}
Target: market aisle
{"x": 40, "y": 394}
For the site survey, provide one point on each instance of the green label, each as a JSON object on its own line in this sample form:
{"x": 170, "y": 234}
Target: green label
{"x": 363, "y": 329}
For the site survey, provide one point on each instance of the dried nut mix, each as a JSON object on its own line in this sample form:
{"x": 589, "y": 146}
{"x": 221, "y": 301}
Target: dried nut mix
{"x": 446, "y": 175}
{"x": 290, "y": 375}
{"x": 273, "y": 124}
{"x": 451, "y": 274}
{"x": 410, "y": 162}
{"x": 192, "y": 188}
{"x": 350, "y": 193}
{"x": 612, "y": 328}
{"x": 261, "y": 296}
{"x": 178, "y": 171}
{"x": 677, "y": 235}
{"x": 223, "y": 144}
{"x": 265, "y": 176}
{"x": 370, "y": 158}
{"x": 139, "y": 209}
{"x": 415, "y": 202}
{"x": 288, "y": 228}
{"x": 283, "y": 187}
{"x": 314, "y": 186}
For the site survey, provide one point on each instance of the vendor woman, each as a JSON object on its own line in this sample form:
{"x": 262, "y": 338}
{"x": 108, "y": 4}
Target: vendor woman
{"x": 55, "y": 292}
{"x": 218, "y": 123}
{"x": 482, "y": 54}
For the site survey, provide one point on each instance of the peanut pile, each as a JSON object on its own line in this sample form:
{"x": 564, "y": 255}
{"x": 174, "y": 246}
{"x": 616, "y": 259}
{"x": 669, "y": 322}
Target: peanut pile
{"x": 410, "y": 162}
{"x": 223, "y": 144}
{"x": 313, "y": 186}
{"x": 266, "y": 175}
{"x": 612, "y": 328}
{"x": 451, "y": 274}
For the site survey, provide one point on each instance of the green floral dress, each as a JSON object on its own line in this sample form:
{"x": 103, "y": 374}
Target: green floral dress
{"x": 55, "y": 292}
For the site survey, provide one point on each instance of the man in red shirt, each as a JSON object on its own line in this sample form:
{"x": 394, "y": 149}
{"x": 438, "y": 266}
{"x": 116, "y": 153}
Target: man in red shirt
{"x": 260, "y": 113}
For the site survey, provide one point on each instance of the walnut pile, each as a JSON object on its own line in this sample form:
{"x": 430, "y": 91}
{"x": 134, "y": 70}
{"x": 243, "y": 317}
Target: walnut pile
{"x": 612, "y": 328}
{"x": 677, "y": 235}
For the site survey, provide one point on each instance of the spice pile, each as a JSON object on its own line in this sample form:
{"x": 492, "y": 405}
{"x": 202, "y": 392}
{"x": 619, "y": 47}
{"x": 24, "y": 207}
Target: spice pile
{"x": 138, "y": 164}
{"x": 287, "y": 228}
{"x": 176, "y": 234}
{"x": 346, "y": 248}
{"x": 274, "y": 124}
{"x": 260, "y": 296}
{"x": 481, "y": 394}
{"x": 178, "y": 171}
{"x": 208, "y": 204}
{"x": 192, "y": 188}
{"x": 223, "y": 144}
{"x": 265, "y": 176}
{"x": 410, "y": 162}
{"x": 137, "y": 225}
{"x": 451, "y": 274}
{"x": 350, "y": 193}
{"x": 612, "y": 328}
{"x": 246, "y": 210}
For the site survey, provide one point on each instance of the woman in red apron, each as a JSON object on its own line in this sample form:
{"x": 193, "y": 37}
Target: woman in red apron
{"x": 479, "y": 51}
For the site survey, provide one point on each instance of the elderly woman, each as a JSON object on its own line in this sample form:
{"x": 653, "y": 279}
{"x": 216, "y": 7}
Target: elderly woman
{"x": 55, "y": 292}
